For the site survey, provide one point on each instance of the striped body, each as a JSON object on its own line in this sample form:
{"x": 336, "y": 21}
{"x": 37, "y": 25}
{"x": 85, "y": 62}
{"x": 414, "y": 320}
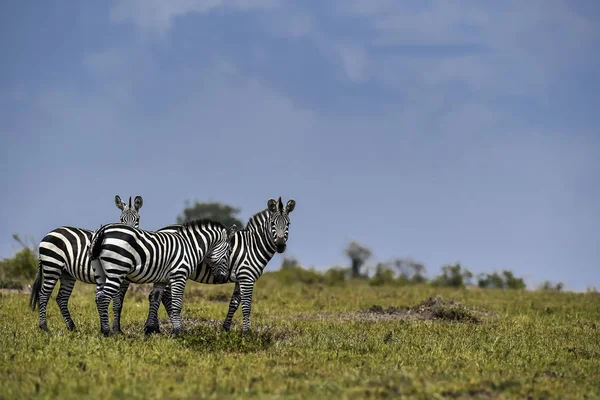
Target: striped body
{"x": 251, "y": 250}
{"x": 163, "y": 257}
{"x": 63, "y": 256}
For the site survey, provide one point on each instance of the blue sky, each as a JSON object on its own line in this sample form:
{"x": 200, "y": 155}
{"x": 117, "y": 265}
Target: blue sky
{"x": 440, "y": 130}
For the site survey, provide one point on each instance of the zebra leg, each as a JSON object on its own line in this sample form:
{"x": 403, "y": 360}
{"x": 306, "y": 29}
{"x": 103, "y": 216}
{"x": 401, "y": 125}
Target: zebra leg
{"x": 246, "y": 289}
{"x": 166, "y": 300}
{"x": 151, "y": 325}
{"x": 67, "y": 283}
{"x": 118, "y": 306}
{"x": 233, "y": 306}
{"x": 109, "y": 291}
{"x": 177, "y": 288}
{"x": 50, "y": 279}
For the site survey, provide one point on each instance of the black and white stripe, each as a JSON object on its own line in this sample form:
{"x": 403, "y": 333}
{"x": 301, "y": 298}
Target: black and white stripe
{"x": 251, "y": 250}
{"x": 63, "y": 256}
{"x": 120, "y": 252}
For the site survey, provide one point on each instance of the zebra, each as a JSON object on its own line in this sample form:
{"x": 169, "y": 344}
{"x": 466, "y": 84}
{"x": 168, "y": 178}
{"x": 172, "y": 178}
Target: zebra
{"x": 251, "y": 250}
{"x": 120, "y": 252}
{"x": 63, "y": 256}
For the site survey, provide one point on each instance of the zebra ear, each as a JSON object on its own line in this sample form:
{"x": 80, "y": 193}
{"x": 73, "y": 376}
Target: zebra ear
{"x": 289, "y": 207}
{"x": 119, "y": 203}
{"x": 272, "y": 205}
{"x": 138, "y": 202}
{"x": 231, "y": 231}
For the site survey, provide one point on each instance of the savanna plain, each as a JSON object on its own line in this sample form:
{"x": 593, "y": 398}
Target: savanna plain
{"x": 312, "y": 341}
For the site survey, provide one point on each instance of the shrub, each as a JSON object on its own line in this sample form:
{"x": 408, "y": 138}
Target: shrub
{"x": 9, "y": 284}
{"x": 298, "y": 274}
{"x": 383, "y": 275}
{"x": 289, "y": 263}
{"x": 547, "y": 285}
{"x": 496, "y": 281}
{"x": 336, "y": 276}
{"x": 23, "y": 265}
{"x": 453, "y": 276}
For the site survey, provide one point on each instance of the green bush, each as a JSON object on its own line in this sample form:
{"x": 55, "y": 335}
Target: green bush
{"x": 10, "y": 284}
{"x": 289, "y": 263}
{"x": 506, "y": 280}
{"x": 547, "y": 285}
{"x": 22, "y": 266}
{"x": 453, "y": 276}
{"x": 383, "y": 275}
{"x": 291, "y": 274}
{"x": 336, "y": 276}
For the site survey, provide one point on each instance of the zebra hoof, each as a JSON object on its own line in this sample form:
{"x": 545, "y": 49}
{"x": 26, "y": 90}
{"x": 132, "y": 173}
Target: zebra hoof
{"x": 226, "y": 328}
{"x": 44, "y": 327}
{"x": 150, "y": 329}
{"x": 71, "y": 327}
{"x": 177, "y": 332}
{"x": 106, "y": 333}
{"x": 117, "y": 331}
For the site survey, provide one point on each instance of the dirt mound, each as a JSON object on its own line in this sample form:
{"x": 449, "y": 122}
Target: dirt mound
{"x": 438, "y": 308}
{"x": 429, "y": 309}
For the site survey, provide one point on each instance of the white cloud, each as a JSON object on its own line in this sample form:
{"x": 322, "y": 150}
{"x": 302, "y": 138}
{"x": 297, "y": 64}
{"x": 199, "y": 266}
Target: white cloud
{"x": 517, "y": 47}
{"x": 158, "y": 15}
{"x": 506, "y": 48}
{"x": 353, "y": 61}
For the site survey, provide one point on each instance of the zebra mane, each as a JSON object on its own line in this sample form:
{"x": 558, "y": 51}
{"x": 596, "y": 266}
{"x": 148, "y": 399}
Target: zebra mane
{"x": 257, "y": 218}
{"x": 203, "y": 221}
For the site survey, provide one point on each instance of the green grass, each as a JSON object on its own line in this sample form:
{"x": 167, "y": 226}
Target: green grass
{"x": 313, "y": 341}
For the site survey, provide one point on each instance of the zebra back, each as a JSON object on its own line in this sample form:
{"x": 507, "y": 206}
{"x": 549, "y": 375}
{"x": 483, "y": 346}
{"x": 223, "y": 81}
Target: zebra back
{"x": 198, "y": 240}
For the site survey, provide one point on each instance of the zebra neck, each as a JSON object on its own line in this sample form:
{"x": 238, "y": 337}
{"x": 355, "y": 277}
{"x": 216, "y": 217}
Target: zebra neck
{"x": 192, "y": 236}
{"x": 264, "y": 242}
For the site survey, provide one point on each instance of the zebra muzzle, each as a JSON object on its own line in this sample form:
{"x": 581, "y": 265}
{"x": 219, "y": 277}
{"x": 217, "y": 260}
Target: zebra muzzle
{"x": 220, "y": 278}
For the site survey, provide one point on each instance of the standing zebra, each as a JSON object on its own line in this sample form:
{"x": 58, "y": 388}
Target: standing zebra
{"x": 63, "y": 255}
{"x": 120, "y": 252}
{"x": 251, "y": 250}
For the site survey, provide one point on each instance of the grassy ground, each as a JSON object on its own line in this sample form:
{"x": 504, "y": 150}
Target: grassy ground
{"x": 313, "y": 341}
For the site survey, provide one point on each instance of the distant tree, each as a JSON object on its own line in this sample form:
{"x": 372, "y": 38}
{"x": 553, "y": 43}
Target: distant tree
{"x": 289, "y": 263}
{"x": 23, "y": 265}
{"x": 410, "y": 270}
{"x": 506, "y": 280}
{"x": 591, "y": 289}
{"x": 547, "y": 285}
{"x": 453, "y": 276}
{"x": 223, "y": 213}
{"x": 358, "y": 257}
{"x": 383, "y": 275}
{"x": 336, "y": 276}
{"x": 512, "y": 282}
{"x": 490, "y": 281}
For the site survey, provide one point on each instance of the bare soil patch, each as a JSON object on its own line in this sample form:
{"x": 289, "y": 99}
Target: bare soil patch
{"x": 430, "y": 309}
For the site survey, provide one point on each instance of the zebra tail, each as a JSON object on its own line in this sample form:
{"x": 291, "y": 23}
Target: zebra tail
{"x": 94, "y": 249}
{"x": 36, "y": 288}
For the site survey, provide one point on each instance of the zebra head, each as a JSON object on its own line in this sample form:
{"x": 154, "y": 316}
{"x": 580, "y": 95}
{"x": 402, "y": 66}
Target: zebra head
{"x": 218, "y": 258}
{"x": 279, "y": 222}
{"x": 129, "y": 214}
